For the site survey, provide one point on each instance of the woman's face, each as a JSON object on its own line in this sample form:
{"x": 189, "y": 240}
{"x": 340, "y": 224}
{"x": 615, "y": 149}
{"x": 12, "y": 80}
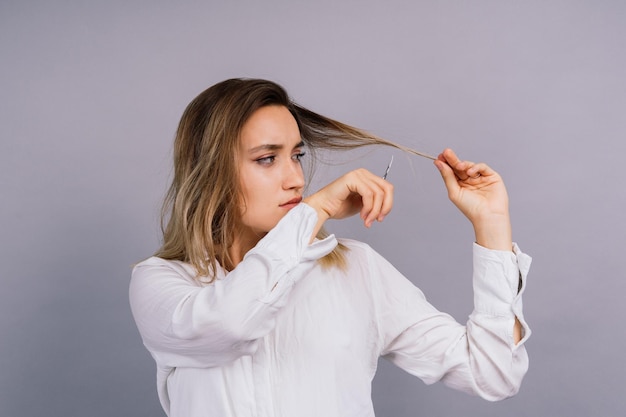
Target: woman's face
{"x": 271, "y": 175}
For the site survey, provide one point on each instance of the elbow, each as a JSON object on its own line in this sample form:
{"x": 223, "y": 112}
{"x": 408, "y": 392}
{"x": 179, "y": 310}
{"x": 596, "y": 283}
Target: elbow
{"x": 495, "y": 394}
{"x": 505, "y": 382}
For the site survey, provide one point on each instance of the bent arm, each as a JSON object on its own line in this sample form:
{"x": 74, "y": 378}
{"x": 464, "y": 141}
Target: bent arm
{"x": 479, "y": 192}
{"x": 185, "y": 323}
{"x": 482, "y": 357}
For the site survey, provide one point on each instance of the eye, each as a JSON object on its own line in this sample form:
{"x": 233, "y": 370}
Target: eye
{"x": 266, "y": 160}
{"x": 298, "y": 156}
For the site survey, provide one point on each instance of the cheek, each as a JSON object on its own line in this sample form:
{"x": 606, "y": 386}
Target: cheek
{"x": 259, "y": 182}
{"x": 254, "y": 193}
{"x": 259, "y": 186}
{"x": 247, "y": 185}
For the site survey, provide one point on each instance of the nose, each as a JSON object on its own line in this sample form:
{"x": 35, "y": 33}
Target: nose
{"x": 293, "y": 177}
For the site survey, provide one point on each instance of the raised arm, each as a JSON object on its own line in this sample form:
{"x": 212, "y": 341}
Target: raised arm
{"x": 479, "y": 192}
{"x": 184, "y": 322}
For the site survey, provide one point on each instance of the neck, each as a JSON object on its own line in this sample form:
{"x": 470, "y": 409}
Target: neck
{"x": 243, "y": 242}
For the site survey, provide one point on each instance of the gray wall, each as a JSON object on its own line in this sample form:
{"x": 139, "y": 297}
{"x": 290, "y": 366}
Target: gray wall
{"x": 90, "y": 95}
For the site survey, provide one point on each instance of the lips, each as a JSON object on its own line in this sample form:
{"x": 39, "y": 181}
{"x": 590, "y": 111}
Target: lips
{"x": 293, "y": 202}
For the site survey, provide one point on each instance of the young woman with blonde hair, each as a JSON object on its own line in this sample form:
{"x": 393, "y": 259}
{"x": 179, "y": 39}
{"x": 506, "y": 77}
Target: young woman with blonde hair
{"x": 250, "y": 309}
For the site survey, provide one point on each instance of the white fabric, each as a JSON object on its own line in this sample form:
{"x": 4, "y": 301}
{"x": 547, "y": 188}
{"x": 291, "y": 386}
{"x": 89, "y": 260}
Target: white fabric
{"x": 281, "y": 336}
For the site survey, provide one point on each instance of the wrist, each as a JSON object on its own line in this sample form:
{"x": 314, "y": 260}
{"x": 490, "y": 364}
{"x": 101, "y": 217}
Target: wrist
{"x": 312, "y": 202}
{"x": 322, "y": 215}
{"x": 494, "y": 232}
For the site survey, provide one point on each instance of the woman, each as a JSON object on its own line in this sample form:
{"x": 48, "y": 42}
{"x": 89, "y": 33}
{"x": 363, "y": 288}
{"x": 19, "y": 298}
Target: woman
{"x": 249, "y": 309}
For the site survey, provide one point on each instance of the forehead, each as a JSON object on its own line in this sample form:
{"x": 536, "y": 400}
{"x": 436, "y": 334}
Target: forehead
{"x": 270, "y": 125}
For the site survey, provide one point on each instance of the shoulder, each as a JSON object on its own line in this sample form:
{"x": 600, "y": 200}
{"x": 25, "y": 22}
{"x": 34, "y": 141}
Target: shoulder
{"x": 358, "y": 247}
{"x": 368, "y": 260}
{"x": 154, "y": 262}
{"x": 361, "y": 252}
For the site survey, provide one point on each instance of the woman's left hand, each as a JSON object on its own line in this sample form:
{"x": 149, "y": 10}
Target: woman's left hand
{"x": 480, "y": 194}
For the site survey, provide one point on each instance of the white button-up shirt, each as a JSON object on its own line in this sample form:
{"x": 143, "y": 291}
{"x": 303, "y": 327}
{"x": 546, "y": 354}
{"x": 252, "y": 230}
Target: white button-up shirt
{"x": 282, "y": 336}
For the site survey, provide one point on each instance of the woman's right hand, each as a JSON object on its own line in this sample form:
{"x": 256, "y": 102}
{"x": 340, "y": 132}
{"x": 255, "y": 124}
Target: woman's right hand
{"x": 358, "y": 191}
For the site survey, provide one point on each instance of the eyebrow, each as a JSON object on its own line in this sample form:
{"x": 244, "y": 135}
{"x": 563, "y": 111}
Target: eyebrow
{"x": 272, "y": 147}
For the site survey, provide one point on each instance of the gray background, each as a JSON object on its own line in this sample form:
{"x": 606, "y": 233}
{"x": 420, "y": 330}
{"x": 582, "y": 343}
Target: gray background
{"x": 91, "y": 93}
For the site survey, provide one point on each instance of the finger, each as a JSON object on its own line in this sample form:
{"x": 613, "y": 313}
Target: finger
{"x": 377, "y": 202}
{"x": 459, "y": 167}
{"x": 478, "y": 170}
{"x": 462, "y": 170}
{"x": 387, "y": 202}
{"x": 361, "y": 190}
{"x": 449, "y": 177}
{"x": 384, "y": 201}
{"x": 375, "y": 196}
{"x": 368, "y": 203}
{"x": 450, "y": 157}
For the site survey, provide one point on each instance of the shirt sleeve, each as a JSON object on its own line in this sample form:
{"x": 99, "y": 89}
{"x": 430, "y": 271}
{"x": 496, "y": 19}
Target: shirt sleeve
{"x": 185, "y": 324}
{"x": 480, "y": 357}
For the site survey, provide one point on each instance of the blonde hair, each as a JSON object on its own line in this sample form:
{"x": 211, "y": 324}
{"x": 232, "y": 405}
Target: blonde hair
{"x": 201, "y": 213}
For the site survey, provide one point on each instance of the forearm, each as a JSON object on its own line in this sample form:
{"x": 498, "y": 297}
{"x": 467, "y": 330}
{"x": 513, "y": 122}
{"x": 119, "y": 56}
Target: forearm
{"x": 187, "y": 324}
{"x": 494, "y": 232}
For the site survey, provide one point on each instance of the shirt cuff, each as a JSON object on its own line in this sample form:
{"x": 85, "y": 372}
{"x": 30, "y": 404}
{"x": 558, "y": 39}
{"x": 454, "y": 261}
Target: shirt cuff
{"x": 499, "y": 281}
